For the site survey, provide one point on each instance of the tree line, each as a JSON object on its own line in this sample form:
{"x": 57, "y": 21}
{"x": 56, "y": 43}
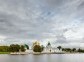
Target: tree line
{"x": 71, "y": 49}
{"x": 14, "y": 48}
{"x": 36, "y": 48}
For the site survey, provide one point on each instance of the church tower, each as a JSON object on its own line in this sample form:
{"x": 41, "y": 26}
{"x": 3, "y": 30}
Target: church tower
{"x": 48, "y": 47}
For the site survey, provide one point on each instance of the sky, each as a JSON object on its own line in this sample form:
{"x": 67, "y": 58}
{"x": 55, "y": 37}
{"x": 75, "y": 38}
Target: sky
{"x": 59, "y": 21}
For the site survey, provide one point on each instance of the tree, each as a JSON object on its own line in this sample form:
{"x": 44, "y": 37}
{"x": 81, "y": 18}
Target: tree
{"x": 74, "y": 49}
{"x": 81, "y": 50}
{"x": 68, "y": 49}
{"x": 22, "y": 48}
{"x": 37, "y": 48}
{"x": 59, "y": 47}
{"x": 63, "y": 49}
{"x": 14, "y": 48}
{"x": 4, "y": 48}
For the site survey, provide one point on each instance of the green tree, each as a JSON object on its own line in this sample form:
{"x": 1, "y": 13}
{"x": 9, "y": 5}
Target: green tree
{"x": 59, "y": 47}
{"x": 80, "y": 50}
{"x": 22, "y": 48}
{"x": 4, "y": 48}
{"x": 74, "y": 49}
{"x": 14, "y": 48}
{"x": 37, "y": 48}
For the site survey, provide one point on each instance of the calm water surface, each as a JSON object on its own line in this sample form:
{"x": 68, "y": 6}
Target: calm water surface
{"x": 43, "y": 58}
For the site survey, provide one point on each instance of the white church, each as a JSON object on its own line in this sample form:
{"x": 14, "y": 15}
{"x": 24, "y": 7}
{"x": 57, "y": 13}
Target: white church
{"x": 47, "y": 49}
{"x": 50, "y": 49}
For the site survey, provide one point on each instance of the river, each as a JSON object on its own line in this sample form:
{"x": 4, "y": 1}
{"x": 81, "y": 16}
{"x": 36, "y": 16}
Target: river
{"x": 42, "y": 58}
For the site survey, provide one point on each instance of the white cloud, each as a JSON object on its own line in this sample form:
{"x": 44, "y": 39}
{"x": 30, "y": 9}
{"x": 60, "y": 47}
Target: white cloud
{"x": 42, "y": 19}
{"x": 71, "y": 35}
{"x": 2, "y": 37}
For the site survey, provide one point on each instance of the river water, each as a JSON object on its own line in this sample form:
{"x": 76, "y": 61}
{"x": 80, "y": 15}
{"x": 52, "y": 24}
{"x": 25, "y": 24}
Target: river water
{"x": 43, "y": 58}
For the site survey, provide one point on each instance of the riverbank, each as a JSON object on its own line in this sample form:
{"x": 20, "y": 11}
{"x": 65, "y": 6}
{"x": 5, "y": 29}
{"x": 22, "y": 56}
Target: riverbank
{"x": 4, "y": 52}
{"x": 19, "y": 53}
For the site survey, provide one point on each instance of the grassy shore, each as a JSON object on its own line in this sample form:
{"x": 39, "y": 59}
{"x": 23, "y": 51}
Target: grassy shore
{"x": 4, "y": 52}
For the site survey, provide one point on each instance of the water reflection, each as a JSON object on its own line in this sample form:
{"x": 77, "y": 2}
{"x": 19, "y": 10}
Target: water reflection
{"x": 43, "y": 58}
